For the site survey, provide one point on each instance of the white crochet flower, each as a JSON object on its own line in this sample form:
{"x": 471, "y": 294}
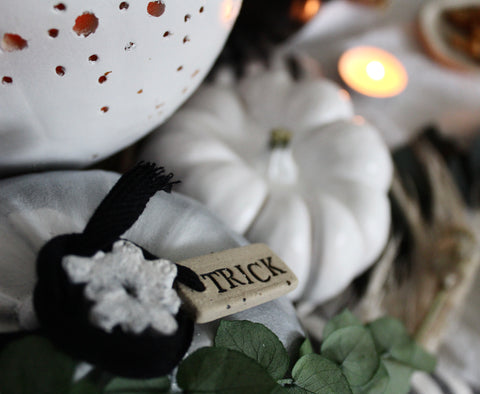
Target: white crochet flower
{"x": 127, "y": 289}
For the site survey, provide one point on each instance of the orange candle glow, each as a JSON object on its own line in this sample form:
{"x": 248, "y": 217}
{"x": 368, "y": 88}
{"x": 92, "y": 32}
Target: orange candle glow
{"x": 372, "y": 72}
{"x": 304, "y": 10}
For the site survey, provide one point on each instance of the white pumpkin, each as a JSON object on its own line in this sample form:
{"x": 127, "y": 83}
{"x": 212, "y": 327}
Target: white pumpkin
{"x": 80, "y": 80}
{"x": 35, "y": 208}
{"x": 320, "y": 202}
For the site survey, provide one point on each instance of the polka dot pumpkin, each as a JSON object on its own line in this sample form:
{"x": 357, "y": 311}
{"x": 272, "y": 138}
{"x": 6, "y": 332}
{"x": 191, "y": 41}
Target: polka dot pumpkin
{"x": 81, "y": 80}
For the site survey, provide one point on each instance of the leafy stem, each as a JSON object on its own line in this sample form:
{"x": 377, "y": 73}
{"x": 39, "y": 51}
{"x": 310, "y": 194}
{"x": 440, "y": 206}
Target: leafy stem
{"x": 354, "y": 358}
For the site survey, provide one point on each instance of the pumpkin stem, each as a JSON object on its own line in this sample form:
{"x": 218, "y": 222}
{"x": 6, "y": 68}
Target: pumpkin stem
{"x": 280, "y": 138}
{"x": 281, "y": 167}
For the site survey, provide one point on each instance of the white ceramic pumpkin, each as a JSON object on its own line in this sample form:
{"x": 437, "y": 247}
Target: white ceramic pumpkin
{"x": 35, "y": 208}
{"x": 80, "y": 80}
{"x": 286, "y": 163}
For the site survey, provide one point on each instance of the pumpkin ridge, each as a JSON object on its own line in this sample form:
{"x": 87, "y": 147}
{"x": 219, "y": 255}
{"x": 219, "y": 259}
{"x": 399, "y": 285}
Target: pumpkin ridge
{"x": 297, "y": 267}
{"x": 314, "y": 269}
{"x": 316, "y": 274}
{"x": 222, "y": 203}
{"x": 348, "y": 208}
{"x": 260, "y": 209}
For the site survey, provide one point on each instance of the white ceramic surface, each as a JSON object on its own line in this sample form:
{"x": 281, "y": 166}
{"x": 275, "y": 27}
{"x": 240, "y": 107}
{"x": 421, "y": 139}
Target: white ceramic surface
{"x": 72, "y": 96}
{"x": 321, "y": 204}
{"x": 35, "y": 208}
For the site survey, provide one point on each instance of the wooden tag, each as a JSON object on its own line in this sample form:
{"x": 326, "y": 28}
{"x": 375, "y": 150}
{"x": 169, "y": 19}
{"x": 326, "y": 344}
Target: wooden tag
{"x": 235, "y": 280}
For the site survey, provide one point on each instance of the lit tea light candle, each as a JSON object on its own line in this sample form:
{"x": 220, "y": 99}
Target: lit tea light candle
{"x": 372, "y": 72}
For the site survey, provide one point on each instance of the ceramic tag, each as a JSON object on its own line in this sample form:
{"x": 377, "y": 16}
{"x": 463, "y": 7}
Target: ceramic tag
{"x": 235, "y": 280}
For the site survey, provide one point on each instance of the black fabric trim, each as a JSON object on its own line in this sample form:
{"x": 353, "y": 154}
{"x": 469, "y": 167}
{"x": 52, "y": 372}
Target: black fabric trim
{"x": 185, "y": 275}
{"x": 125, "y": 202}
{"x": 189, "y": 278}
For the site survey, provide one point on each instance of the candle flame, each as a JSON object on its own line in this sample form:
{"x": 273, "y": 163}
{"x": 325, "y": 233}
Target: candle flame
{"x": 375, "y": 70}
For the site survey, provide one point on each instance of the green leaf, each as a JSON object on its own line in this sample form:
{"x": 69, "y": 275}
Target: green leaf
{"x": 413, "y": 356}
{"x": 306, "y": 348}
{"x": 388, "y": 332}
{"x": 256, "y": 341}
{"x": 399, "y": 377}
{"x": 354, "y": 350}
{"x": 391, "y": 337}
{"x": 317, "y": 374}
{"x": 377, "y": 385}
{"x": 131, "y": 386}
{"x": 344, "y": 319}
{"x": 34, "y": 365}
{"x": 86, "y": 386}
{"x": 218, "y": 369}
{"x": 294, "y": 390}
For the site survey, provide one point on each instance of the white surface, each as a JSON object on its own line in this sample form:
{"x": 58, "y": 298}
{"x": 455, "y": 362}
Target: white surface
{"x": 47, "y": 120}
{"x": 321, "y": 204}
{"x": 435, "y": 93}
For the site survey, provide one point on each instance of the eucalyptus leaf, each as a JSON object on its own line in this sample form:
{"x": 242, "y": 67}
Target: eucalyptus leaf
{"x": 255, "y": 341}
{"x": 130, "y": 386}
{"x": 317, "y": 374}
{"x": 354, "y": 350}
{"x": 377, "y": 385}
{"x": 306, "y": 348}
{"x": 291, "y": 389}
{"x": 342, "y": 320}
{"x": 388, "y": 332}
{"x": 34, "y": 365}
{"x": 391, "y": 337}
{"x": 400, "y": 375}
{"x": 294, "y": 390}
{"x": 413, "y": 356}
{"x": 86, "y": 386}
{"x": 278, "y": 390}
{"x": 218, "y": 369}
